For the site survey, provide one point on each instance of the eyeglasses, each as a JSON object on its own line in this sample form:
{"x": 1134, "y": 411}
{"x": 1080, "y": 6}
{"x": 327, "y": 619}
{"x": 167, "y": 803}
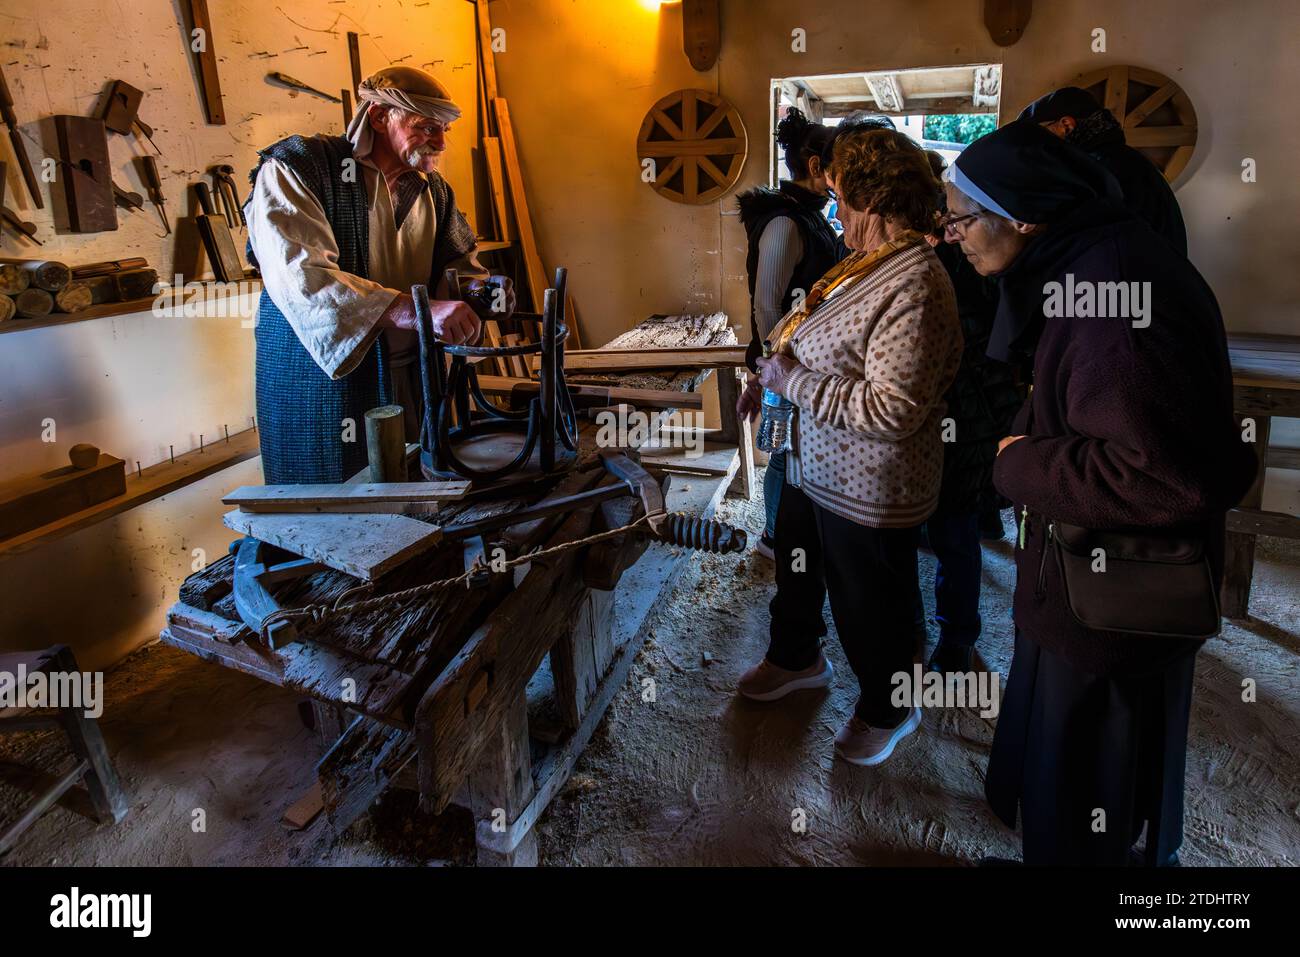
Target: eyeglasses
{"x": 950, "y": 222}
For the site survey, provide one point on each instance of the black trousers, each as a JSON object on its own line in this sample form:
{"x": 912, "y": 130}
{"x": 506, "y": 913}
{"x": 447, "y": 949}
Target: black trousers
{"x": 870, "y": 575}
{"x": 1088, "y": 760}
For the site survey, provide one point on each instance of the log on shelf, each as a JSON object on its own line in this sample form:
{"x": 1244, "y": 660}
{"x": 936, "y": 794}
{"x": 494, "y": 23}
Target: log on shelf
{"x": 33, "y": 303}
{"x": 47, "y": 274}
{"x": 14, "y": 278}
{"x": 7, "y": 308}
{"x": 73, "y": 297}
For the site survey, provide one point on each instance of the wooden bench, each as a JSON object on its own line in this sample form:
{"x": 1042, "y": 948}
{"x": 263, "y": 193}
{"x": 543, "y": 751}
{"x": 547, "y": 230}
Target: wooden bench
{"x": 1266, "y": 383}
{"x": 91, "y": 765}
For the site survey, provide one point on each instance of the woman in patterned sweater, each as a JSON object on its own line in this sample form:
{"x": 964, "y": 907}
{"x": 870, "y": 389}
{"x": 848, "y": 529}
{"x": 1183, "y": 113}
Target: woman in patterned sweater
{"x": 866, "y": 361}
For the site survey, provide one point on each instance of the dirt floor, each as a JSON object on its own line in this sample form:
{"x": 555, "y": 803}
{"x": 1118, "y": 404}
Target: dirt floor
{"x": 696, "y": 776}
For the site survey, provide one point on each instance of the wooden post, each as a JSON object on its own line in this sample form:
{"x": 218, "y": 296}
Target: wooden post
{"x": 386, "y": 444}
{"x": 736, "y": 431}
{"x": 502, "y": 785}
{"x": 1239, "y": 547}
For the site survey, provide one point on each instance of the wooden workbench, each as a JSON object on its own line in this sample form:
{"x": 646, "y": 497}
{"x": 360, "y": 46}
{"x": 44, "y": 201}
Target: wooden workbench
{"x": 1266, "y": 383}
{"x": 436, "y": 690}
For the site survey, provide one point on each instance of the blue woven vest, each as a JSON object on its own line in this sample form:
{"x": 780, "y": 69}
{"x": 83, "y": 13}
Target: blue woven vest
{"x": 303, "y": 416}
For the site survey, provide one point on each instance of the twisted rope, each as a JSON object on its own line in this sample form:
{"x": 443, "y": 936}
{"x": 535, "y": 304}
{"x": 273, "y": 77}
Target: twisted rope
{"x": 318, "y": 614}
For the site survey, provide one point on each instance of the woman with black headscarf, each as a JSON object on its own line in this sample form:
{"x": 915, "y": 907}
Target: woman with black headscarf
{"x": 791, "y": 246}
{"x": 1122, "y": 465}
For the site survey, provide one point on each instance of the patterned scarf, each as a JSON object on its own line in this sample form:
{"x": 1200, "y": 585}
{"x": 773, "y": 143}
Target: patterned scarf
{"x": 853, "y": 267}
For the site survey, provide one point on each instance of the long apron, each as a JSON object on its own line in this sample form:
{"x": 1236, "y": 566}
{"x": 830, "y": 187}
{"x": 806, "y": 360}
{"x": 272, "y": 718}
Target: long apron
{"x": 1088, "y": 760}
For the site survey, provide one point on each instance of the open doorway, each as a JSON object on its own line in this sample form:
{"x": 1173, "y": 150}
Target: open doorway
{"x": 942, "y": 108}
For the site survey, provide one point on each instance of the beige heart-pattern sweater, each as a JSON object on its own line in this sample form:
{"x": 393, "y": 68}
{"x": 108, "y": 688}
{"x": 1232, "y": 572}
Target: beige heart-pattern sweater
{"x": 876, "y": 358}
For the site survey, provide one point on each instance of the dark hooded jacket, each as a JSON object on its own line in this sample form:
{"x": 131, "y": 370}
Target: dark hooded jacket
{"x": 1127, "y": 427}
{"x": 1145, "y": 190}
{"x": 761, "y": 205}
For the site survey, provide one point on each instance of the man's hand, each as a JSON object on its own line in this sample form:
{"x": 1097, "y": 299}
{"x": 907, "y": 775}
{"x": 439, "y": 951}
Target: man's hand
{"x": 453, "y": 322}
{"x": 775, "y": 372}
{"x": 492, "y": 298}
{"x": 750, "y": 399}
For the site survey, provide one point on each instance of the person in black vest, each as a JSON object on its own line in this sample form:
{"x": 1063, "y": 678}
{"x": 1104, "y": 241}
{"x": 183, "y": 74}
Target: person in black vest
{"x": 1128, "y": 437}
{"x": 982, "y": 401}
{"x": 341, "y": 228}
{"x": 791, "y": 245}
{"x": 1076, "y": 117}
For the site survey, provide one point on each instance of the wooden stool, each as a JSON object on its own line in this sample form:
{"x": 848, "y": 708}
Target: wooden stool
{"x": 92, "y": 765}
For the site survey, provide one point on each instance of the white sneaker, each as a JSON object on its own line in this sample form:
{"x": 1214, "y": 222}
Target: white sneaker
{"x": 859, "y": 743}
{"x": 766, "y": 682}
{"x": 764, "y": 549}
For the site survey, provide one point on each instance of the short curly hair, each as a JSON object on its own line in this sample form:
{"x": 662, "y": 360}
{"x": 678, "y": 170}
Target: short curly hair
{"x": 884, "y": 171}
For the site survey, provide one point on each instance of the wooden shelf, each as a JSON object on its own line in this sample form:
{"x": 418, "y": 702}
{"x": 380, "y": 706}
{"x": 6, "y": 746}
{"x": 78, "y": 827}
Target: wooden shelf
{"x": 102, "y": 311}
{"x": 153, "y": 482}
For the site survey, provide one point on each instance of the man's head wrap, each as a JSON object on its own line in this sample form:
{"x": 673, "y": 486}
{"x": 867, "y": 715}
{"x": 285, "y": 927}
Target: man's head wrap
{"x": 405, "y": 88}
{"x": 1023, "y": 172}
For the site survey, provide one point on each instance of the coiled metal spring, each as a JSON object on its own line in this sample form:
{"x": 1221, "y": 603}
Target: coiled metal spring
{"x": 691, "y": 531}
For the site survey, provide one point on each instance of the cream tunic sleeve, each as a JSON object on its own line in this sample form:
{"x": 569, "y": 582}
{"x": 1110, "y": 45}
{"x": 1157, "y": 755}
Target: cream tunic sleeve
{"x": 335, "y": 314}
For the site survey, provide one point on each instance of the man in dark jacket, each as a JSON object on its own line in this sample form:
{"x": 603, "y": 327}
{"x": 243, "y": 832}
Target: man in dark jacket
{"x": 1076, "y": 116}
{"x": 1129, "y": 430}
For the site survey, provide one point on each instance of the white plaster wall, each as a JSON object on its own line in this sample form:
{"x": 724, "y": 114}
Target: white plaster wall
{"x": 136, "y": 384}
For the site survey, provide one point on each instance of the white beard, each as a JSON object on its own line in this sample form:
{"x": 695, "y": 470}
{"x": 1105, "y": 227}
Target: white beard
{"x": 416, "y": 157}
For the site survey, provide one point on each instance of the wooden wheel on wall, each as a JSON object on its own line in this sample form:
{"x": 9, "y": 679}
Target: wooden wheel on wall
{"x": 1158, "y": 118}
{"x": 698, "y": 144}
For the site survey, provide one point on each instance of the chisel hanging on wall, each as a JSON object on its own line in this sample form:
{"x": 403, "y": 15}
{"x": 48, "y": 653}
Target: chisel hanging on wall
{"x": 15, "y": 138}
{"x": 286, "y": 80}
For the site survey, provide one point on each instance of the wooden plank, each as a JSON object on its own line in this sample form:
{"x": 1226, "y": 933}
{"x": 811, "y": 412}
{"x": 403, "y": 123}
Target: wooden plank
{"x": 633, "y": 360}
{"x": 354, "y": 61}
{"x": 385, "y": 497}
{"x": 1283, "y": 458}
{"x": 151, "y": 483}
{"x": 715, "y": 458}
{"x": 360, "y": 766}
{"x": 36, "y": 500}
{"x": 502, "y": 785}
{"x": 364, "y": 546}
{"x": 739, "y": 432}
{"x": 533, "y": 268}
{"x": 1254, "y": 521}
{"x": 206, "y": 62}
{"x": 304, "y": 810}
{"x": 575, "y": 664}
{"x": 1160, "y": 136}
{"x": 497, "y": 185}
{"x": 598, "y": 394}
{"x": 235, "y": 657}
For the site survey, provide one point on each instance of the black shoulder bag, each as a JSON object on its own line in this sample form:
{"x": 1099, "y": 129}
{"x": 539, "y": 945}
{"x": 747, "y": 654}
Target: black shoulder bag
{"x": 1155, "y": 583}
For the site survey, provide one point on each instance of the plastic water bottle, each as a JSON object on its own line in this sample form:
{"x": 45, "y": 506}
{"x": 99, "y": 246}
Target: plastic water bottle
{"x": 774, "y": 428}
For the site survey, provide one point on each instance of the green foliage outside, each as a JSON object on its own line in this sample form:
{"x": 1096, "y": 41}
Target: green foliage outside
{"x": 959, "y": 127}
